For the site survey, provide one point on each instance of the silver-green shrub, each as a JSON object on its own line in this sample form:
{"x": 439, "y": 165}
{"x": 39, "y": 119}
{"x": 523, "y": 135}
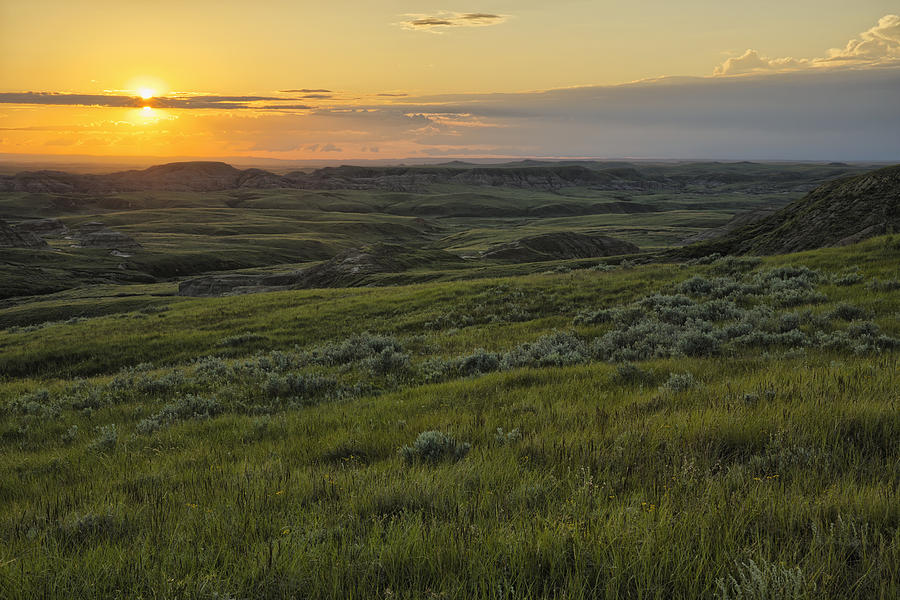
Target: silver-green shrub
{"x": 680, "y": 382}
{"x": 106, "y": 440}
{"x": 763, "y": 580}
{"x": 432, "y": 447}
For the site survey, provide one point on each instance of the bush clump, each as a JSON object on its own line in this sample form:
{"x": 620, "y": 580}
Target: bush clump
{"x": 707, "y": 316}
{"x": 69, "y": 435}
{"x": 432, "y": 447}
{"x": 887, "y": 285}
{"x": 602, "y": 268}
{"x": 847, "y": 312}
{"x": 480, "y": 361}
{"x": 763, "y": 581}
{"x": 186, "y": 408}
{"x": 846, "y": 279}
{"x": 139, "y": 380}
{"x": 860, "y": 337}
{"x": 212, "y": 368}
{"x": 787, "y": 298}
{"x": 297, "y": 385}
{"x": 387, "y": 361}
{"x": 554, "y": 350}
{"x": 356, "y": 348}
{"x": 36, "y": 403}
{"x": 680, "y": 382}
{"x": 630, "y": 373}
{"x": 106, "y": 440}
{"x": 705, "y": 260}
{"x": 506, "y": 438}
{"x": 696, "y": 342}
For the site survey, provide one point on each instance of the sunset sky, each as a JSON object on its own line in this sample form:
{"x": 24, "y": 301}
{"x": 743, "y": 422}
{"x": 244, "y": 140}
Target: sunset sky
{"x": 347, "y": 79}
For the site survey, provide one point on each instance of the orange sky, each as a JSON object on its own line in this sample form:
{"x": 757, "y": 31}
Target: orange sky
{"x": 352, "y": 79}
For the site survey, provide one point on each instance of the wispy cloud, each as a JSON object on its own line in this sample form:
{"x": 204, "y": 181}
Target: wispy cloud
{"x": 55, "y": 98}
{"x": 305, "y": 91}
{"x": 291, "y": 107}
{"x": 177, "y": 101}
{"x": 877, "y": 46}
{"x": 437, "y": 23}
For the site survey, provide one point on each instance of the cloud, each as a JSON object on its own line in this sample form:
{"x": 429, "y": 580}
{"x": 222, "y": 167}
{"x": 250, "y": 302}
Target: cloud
{"x": 444, "y": 20}
{"x": 458, "y": 151}
{"x": 195, "y": 102}
{"x": 752, "y": 62}
{"x": 480, "y": 17}
{"x": 815, "y": 114}
{"x": 809, "y": 114}
{"x": 880, "y": 43}
{"x": 877, "y": 46}
{"x": 214, "y": 99}
{"x": 305, "y": 91}
{"x": 430, "y": 22}
{"x": 69, "y": 99}
{"x": 284, "y": 107}
{"x": 177, "y": 102}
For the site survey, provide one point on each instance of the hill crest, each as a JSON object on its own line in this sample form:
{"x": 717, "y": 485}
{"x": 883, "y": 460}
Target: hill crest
{"x": 841, "y": 212}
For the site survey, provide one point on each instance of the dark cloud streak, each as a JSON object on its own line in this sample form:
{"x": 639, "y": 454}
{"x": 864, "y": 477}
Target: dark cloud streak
{"x": 430, "y": 22}
{"x": 435, "y": 23}
{"x": 53, "y": 98}
{"x": 173, "y": 102}
{"x": 284, "y": 107}
{"x": 480, "y": 17}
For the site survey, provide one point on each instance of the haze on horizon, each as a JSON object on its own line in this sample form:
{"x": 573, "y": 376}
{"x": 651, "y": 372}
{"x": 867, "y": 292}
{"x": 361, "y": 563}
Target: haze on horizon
{"x": 351, "y": 80}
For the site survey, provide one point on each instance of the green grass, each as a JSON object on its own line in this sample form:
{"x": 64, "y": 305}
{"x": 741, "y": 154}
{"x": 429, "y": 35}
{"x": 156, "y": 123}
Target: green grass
{"x": 264, "y": 474}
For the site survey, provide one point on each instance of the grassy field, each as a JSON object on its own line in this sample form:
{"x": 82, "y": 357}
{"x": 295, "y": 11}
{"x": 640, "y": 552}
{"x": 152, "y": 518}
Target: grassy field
{"x": 722, "y": 429}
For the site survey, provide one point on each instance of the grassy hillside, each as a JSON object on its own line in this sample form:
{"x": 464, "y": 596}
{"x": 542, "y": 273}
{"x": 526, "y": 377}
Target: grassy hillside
{"x": 844, "y": 211}
{"x": 692, "y": 431}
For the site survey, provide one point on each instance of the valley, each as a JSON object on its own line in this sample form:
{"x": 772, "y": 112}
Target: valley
{"x": 463, "y": 391}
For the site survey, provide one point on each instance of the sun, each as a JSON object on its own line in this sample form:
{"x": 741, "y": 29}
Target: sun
{"x": 146, "y": 93}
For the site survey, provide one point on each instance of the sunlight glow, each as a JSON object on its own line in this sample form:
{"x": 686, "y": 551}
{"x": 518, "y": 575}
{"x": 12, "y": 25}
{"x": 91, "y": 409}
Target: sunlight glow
{"x": 146, "y": 93}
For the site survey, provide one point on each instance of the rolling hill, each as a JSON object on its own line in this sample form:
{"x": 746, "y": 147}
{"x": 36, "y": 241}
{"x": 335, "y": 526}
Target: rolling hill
{"x": 838, "y": 213}
{"x": 209, "y": 176}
